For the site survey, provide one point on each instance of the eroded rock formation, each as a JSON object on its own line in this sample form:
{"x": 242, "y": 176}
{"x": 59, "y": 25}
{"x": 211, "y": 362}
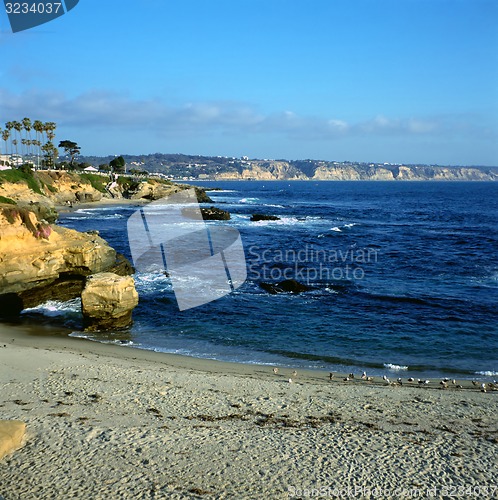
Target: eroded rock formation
{"x": 108, "y": 301}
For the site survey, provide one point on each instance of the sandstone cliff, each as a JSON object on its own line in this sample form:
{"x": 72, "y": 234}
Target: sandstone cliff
{"x": 265, "y": 170}
{"x": 334, "y": 171}
{"x": 41, "y": 261}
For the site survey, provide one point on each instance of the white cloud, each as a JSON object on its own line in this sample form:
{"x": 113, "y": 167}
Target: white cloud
{"x": 104, "y": 109}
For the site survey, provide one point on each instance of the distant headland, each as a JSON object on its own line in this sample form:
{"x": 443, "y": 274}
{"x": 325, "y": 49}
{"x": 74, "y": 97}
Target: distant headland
{"x": 194, "y": 167}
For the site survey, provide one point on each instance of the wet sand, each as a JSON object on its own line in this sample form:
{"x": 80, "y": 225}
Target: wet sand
{"x": 106, "y": 421}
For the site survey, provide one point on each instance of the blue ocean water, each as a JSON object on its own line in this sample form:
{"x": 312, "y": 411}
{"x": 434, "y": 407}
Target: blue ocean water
{"x": 403, "y": 277}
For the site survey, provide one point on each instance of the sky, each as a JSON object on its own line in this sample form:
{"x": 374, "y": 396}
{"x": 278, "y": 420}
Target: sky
{"x": 399, "y": 81}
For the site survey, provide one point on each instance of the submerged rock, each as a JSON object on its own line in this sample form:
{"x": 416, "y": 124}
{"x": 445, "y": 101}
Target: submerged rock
{"x": 258, "y": 217}
{"x": 286, "y": 286}
{"x": 107, "y": 301}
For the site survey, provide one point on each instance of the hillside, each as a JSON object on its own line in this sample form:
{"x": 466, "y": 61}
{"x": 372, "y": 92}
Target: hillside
{"x": 52, "y": 188}
{"x": 180, "y": 166}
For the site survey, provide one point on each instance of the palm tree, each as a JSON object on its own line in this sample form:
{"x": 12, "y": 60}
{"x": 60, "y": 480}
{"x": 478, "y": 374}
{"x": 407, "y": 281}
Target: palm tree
{"x": 26, "y": 123}
{"x": 2, "y": 134}
{"x": 38, "y": 128}
{"x": 50, "y": 130}
{"x": 18, "y": 129}
{"x": 9, "y": 126}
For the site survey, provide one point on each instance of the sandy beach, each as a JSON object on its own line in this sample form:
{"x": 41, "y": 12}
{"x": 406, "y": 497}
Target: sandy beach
{"x": 105, "y": 421}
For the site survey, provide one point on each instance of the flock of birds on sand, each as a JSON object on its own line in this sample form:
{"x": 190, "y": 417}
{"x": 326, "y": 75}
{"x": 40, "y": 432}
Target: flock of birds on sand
{"x": 445, "y": 383}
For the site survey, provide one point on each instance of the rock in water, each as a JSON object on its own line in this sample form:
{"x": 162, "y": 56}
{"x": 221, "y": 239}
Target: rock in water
{"x": 11, "y": 436}
{"x": 286, "y": 286}
{"x": 258, "y": 217}
{"x": 108, "y": 301}
{"x": 210, "y": 213}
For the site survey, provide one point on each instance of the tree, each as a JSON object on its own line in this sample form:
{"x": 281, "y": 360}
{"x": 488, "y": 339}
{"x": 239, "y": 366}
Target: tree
{"x": 18, "y": 129}
{"x": 5, "y": 137}
{"x": 118, "y": 165}
{"x": 38, "y": 128}
{"x": 71, "y": 148}
{"x": 26, "y": 123}
{"x": 50, "y": 154}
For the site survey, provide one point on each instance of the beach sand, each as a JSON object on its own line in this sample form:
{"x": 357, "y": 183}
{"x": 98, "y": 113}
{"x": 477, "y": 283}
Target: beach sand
{"x": 105, "y": 421}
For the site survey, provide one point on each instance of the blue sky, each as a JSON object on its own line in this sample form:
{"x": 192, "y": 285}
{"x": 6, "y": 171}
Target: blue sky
{"x": 409, "y": 81}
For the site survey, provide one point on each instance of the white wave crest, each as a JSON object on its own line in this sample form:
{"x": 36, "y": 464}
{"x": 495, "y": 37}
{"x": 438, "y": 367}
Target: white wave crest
{"x": 395, "y": 368}
{"x": 54, "y": 308}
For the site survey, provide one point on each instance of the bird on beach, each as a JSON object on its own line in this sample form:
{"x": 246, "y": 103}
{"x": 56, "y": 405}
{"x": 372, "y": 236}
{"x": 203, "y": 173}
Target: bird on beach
{"x": 331, "y": 375}
{"x": 400, "y": 381}
{"x": 453, "y": 382}
{"x": 443, "y": 384}
{"x": 351, "y": 375}
{"x": 364, "y": 376}
{"x": 290, "y": 381}
{"x": 275, "y": 371}
{"x": 369, "y": 379}
{"x": 483, "y": 387}
{"x": 475, "y": 383}
{"x": 294, "y": 373}
{"x": 423, "y": 382}
{"x": 346, "y": 379}
{"x": 411, "y": 379}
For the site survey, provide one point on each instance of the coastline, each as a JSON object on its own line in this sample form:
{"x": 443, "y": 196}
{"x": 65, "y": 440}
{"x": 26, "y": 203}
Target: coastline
{"x": 102, "y": 203}
{"x": 105, "y": 420}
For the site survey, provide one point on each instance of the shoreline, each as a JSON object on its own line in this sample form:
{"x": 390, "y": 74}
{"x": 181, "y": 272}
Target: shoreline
{"x": 102, "y": 421}
{"x": 27, "y": 335}
{"x": 102, "y": 203}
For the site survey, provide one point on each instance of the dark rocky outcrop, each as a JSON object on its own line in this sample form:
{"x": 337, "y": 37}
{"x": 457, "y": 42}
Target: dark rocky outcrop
{"x": 286, "y": 286}
{"x": 208, "y": 213}
{"x": 214, "y": 213}
{"x": 258, "y": 217}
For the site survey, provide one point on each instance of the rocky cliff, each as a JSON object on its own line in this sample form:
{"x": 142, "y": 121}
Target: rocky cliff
{"x": 334, "y": 171}
{"x": 41, "y": 261}
{"x": 265, "y": 171}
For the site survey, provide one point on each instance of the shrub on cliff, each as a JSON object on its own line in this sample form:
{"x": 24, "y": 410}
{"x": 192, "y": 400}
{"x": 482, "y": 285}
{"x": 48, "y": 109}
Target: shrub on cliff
{"x": 23, "y": 174}
{"x": 8, "y": 201}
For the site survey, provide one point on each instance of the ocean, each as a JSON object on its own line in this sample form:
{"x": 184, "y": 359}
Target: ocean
{"x": 403, "y": 280}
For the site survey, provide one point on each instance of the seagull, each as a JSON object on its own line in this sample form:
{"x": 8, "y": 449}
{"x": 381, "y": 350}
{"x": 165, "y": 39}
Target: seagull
{"x": 400, "y": 381}
{"x": 364, "y": 376}
{"x": 453, "y": 382}
{"x": 411, "y": 379}
{"x": 351, "y": 375}
{"x": 331, "y": 375}
{"x": 475, "y": 383}
{"x": 290, "y": 381}
{"x": 483, "y": 387}
{"x": 294, "y": 373}
{"x": 275, "y": 370}
{"x": 347, "y": 379}
{"x": 444, "y": 384}
{"x": 422, "y": 382}
{"x": 369, "y": 379}
{"x": 384, "y": 377}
